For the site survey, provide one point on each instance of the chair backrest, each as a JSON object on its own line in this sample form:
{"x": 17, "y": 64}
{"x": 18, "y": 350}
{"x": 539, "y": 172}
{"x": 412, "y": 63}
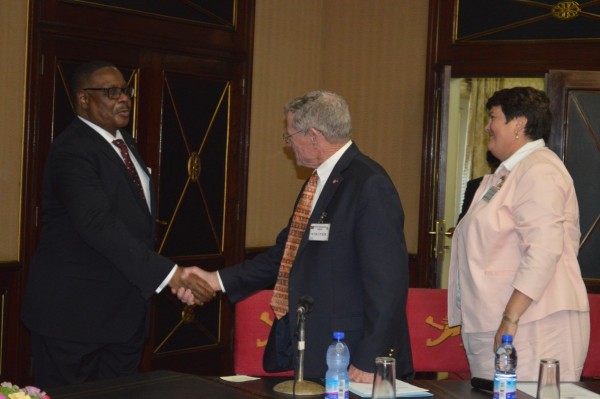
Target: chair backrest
{"x": 435, "y": 346}
{"x": 253, "y": 320}
{"x": 591, "y": 367}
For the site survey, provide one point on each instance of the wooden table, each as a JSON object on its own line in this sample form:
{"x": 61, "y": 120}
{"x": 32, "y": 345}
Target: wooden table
{"x": 173, "y": 385}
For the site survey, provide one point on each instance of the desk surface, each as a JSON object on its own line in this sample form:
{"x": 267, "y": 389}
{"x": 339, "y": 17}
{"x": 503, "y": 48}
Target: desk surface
{"x": 173, "y": 385}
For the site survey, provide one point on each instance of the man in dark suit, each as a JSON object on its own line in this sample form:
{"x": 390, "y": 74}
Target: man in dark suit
{"x": 94, "y": 271}
{"x": 351, "y": 259}
{"x": 473, "y": 185}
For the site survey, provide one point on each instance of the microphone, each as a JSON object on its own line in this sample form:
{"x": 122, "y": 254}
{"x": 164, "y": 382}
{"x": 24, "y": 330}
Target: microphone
{"x": 482, "y": 383}
{"x": 298, "y": 386}
{"x": 305, "y": 305}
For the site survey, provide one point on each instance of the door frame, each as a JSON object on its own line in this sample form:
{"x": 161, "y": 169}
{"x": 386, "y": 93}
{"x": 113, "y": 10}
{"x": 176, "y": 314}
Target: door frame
{"x": 527, "y": 58}
{"x": 65, "y": 27}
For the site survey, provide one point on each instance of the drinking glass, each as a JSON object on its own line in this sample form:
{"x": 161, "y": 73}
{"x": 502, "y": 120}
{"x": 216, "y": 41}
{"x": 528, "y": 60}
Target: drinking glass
{"x": 549, "y": 380}
{"x": 384, "y": 384}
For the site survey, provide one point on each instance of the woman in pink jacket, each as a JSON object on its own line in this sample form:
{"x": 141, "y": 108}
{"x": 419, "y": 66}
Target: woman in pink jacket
{"x": 514, "y": 266}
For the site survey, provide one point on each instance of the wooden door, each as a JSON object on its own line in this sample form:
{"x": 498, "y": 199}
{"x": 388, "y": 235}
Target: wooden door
{"x": 434, "y": 249}
{"x": 196, "y": 175}
{"x": 575, "y": 137}
{"x": 190, "y": 118}
{"x": 187, "y": 144}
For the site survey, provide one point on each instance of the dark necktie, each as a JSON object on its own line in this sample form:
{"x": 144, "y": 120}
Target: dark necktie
{"x": 130, "y": 166}
{"x": 279, "y": 301}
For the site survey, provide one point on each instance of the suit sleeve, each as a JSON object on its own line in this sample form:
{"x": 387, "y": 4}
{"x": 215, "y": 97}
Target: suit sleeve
{"x": 470, "y": 190}
{"x": 255, "y": 274}
{"x": 539, "y": 213}
{"x": 105, "y": 214}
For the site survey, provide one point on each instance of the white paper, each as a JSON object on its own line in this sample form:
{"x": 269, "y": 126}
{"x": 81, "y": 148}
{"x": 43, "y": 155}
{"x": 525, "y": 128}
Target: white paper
{"x": 568, "y": 390}
{"x": 239, "y": 378}
{"x": 402, "y": 389}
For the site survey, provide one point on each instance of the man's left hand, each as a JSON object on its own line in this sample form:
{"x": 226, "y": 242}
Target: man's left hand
{"x": 360, "y": 376}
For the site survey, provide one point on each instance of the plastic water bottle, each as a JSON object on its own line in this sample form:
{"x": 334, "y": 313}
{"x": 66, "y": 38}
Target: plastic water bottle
{"x": 505, "y": 377}
{"x": 338, "y": 358}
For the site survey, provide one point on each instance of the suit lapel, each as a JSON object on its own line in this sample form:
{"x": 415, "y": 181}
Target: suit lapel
{"x": 133, "y": 150}
{"x": 100, "y": 144}
{"x": 107, "y": 149}
{"x": 334, "y": 181}
{"x": 332, "y": 184}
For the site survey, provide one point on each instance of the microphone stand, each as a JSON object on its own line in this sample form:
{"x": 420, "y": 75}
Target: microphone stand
{"x": 298, "y": 386}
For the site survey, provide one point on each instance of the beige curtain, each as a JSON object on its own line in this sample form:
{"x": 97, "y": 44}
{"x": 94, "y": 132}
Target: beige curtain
{"x": 476, "y": 138}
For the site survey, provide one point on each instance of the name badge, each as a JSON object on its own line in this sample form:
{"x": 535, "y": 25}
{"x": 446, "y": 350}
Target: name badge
{"x": 490, "y": 193}
{"x": 319, "y": 232}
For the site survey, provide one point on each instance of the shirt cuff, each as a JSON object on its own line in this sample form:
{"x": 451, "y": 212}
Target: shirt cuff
{"x": 166, "y": 280}
{"x": 220, "y": 282}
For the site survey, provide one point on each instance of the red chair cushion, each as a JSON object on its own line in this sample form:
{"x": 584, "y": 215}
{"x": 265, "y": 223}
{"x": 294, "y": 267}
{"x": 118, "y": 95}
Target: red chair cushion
{"x": 591, "y": 367}
{"x": 435, "y": 346}
{"x": 253, "y": 320}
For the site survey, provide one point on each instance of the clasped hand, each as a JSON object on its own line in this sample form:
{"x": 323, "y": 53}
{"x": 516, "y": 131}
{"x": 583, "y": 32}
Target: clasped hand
{"x": 190, "y": 286}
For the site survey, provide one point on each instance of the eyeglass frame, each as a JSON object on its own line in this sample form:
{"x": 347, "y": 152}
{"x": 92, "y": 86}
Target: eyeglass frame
{"x": 128, "y": 91}
{"x": 286, "y": 136}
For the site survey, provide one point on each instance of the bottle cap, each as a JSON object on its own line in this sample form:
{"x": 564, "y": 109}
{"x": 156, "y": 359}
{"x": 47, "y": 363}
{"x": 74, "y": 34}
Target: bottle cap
{"x": 506, "y": 338}
{"x": 338, "y": 335}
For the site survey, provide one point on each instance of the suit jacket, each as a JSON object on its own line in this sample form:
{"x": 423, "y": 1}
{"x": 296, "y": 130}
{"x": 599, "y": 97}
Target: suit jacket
{"x": 94, "y": 270}
{"x": 526, "y": 238}
{"x": 358, "y": 278}
{"x": 470, "y": 190}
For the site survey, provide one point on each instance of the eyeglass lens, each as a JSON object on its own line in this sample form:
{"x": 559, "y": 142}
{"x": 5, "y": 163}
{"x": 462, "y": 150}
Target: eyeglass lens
{"x": 114, "y": 92}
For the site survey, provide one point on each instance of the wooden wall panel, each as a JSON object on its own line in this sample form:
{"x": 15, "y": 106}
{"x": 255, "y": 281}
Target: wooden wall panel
{"x": 287, "y": 63}
{"x": 13, "y": 26}
{"x": 373, "y": 54}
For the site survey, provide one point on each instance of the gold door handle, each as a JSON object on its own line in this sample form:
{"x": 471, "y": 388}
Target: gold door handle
{"x": 434, "y": 249}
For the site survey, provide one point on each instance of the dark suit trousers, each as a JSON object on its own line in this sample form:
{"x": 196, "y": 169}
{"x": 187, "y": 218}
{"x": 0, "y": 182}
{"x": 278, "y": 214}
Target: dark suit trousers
{"x": 59, "y": 363}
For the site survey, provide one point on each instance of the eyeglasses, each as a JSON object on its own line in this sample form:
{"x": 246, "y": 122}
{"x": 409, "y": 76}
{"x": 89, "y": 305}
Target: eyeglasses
{"x": 286, "y": 136}
{"x": 115, "y": 92}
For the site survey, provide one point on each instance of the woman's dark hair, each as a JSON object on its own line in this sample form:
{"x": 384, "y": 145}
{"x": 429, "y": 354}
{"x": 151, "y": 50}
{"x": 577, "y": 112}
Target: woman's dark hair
{"x": 531, "y": 103}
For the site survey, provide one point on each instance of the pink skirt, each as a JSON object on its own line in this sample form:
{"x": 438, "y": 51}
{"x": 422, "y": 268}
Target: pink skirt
{"x": 562, "y": 335}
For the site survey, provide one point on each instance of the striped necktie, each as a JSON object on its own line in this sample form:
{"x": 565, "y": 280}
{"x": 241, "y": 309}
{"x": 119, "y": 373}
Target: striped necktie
{"x": 279, "y": 301}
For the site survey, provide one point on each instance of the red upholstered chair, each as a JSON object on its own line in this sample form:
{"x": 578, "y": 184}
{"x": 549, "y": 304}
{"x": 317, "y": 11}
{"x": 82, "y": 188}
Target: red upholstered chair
{"x": 591, "y": 367}
{"x": 435, "y": 346}
{"x": 253, "y": 320}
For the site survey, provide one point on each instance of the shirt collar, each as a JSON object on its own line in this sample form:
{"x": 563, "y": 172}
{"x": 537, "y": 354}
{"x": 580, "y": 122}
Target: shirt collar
{"x": 104, "y": 133}
{"x": 521, "y": 153}
{"x": 325, "y": 169}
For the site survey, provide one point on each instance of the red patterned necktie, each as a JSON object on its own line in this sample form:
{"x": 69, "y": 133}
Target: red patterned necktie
{"x": 279, "y": 301}
{"x": 130, "y": 166}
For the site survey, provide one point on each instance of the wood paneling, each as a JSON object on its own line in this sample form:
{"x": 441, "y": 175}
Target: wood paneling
{"x": 64, "y": 33}
{"x": 287, "y": 63}
{"x": 373, "y": 54}
{"x": 13, "y": 33}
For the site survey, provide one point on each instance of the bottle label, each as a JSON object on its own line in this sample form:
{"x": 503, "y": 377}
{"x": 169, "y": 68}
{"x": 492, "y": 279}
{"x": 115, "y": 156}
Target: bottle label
{"x": 336, "y": 389}
{"x": 505, "y": 388}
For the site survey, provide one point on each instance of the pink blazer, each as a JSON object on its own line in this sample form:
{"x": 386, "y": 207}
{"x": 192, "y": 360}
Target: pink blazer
{"x": 526, "y": 238}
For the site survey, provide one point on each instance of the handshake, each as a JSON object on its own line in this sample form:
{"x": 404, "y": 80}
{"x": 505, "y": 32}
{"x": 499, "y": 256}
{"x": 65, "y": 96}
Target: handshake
{"x": 194, "y": 286}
